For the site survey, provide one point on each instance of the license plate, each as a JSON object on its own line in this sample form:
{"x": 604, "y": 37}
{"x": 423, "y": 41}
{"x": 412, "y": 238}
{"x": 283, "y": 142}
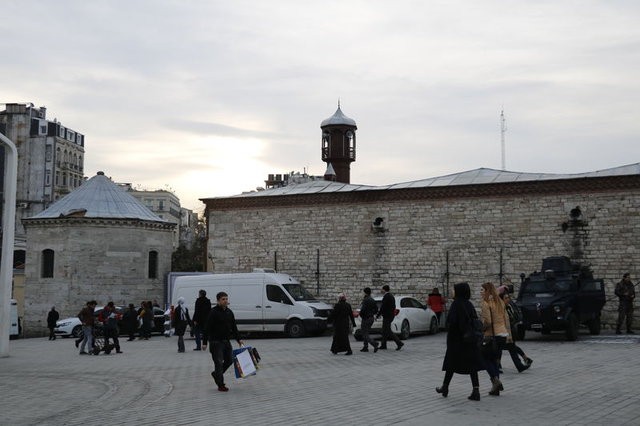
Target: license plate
{"x": 536, "y": 326}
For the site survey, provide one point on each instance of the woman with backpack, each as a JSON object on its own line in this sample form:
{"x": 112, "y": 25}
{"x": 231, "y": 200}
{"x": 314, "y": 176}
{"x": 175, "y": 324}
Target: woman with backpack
{"x": 462, "y": 355}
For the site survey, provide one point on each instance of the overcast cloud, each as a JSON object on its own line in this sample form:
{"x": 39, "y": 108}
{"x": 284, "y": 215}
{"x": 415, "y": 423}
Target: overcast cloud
{"x": 208, "y": 97}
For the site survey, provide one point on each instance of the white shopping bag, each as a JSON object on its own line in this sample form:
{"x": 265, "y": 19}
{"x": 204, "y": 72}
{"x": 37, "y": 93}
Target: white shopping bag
{"x": 243, "y": 364}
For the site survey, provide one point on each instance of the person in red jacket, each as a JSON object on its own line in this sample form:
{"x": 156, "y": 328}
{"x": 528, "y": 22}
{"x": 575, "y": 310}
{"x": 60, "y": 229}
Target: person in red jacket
{"x": 436, "y": 302}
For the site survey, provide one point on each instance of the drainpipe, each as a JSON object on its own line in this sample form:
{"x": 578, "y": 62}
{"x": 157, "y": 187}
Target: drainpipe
{"x": 8, "y": 233}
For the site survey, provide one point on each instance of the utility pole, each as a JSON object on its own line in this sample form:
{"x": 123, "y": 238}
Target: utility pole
{"x": 503, "y": 130}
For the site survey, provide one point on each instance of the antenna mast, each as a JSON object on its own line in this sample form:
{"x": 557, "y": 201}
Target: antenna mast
{"x": 503, "y": 130}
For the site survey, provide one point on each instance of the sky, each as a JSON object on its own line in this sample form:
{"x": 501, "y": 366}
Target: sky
{"x": 206, "y": 98}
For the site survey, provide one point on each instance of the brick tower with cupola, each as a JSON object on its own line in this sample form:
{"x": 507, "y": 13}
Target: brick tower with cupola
{"x": 339, "y": 144}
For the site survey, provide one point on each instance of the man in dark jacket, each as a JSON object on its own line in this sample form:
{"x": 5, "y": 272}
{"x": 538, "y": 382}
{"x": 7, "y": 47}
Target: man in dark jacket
{"x": 368, "y": 310}
{"x": 200, "y": 315}
{"x": 625, "y": 290}
{"x": 110, "y": 318}
{"x": 130, "y": 318}
{"x": 87, "y": 319}
{"x": 52, "y": 318}
{"x": 220, "y": 328}
{"x": 387, "y": 312}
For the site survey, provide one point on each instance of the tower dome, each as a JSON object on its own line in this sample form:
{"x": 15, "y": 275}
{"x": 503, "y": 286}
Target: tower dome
{"x": 338, "y": 119}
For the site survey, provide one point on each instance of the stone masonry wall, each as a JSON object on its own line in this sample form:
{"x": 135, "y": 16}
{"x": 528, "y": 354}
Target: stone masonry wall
{"x": 410, "y": 255}
{"x": 105, "y": 261}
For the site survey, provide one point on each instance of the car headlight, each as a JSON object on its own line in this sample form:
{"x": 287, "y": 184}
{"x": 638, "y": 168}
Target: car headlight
{"x": 557, "y": 309}
{"x": 63, "y": 324}
{"x": 314, "y": 310}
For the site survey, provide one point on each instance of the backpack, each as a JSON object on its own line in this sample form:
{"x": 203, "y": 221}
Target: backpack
{"x": 515, "y": 315}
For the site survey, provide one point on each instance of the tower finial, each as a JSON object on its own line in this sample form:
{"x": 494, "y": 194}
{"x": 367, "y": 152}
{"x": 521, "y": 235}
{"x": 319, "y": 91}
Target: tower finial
{"x": 338, "y": 102}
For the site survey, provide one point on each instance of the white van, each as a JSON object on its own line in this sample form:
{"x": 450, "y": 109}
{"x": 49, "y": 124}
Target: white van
{"x": 261, "y": 301}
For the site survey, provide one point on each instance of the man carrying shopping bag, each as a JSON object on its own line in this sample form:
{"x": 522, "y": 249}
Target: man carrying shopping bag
{"x": 220, "y": 328}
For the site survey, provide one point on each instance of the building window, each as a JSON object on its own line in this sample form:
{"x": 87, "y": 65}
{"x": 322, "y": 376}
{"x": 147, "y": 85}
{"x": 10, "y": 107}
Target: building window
{"x": 47, "y": 263}
{"x": 19, "y": 257}
{"x": 153, "y": 264}
{"x": 160, "y": 205}
{"x": 47, "y": 181}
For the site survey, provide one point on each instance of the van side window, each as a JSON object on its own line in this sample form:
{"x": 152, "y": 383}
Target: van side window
{"x": 276, "y": 294}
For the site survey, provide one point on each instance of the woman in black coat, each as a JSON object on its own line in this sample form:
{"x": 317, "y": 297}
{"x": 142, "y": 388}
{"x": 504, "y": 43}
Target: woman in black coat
{"x": 342, "y": 314}
{"x": 461, "y": 357}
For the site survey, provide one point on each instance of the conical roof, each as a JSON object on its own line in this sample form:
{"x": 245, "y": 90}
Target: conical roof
{"x": 338, "y": 118}
{"x": 99, "y": 198}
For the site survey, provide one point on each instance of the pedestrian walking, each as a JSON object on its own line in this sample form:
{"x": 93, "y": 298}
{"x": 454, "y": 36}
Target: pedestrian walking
{"x": 130, "y": 320}
{"x": 368, "y": 310}
{"x": 461, "y": 357}
{"x": 436, "y": 303}
{"x": 200, "y": 315}
{"x": 110, "y": 318}
{"x": 514, "y": 318}
{"x": 88, "y": 320}
{"x": 180, "y": 319}
{"x": 220, "y": 328}
{"x": 496, "y": 332}
{"x": 52, "y": 319}
{"x": 342, "y": 316}
{"x": 145, "y": 315}
{"x": 387, "y": 312}
{"x": 626, "y": 293}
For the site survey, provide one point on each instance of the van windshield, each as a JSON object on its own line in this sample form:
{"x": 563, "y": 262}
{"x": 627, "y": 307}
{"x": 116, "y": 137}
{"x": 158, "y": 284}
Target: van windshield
{"x": 298, "y": 292}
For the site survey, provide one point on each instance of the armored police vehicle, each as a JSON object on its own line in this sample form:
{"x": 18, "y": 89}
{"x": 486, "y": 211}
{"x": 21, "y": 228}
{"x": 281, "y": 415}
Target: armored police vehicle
{"x": 561, "y": 297}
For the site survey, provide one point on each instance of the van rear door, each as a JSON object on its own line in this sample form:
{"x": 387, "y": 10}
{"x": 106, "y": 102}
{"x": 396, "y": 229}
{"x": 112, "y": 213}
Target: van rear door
{"x": 246, "y": 301}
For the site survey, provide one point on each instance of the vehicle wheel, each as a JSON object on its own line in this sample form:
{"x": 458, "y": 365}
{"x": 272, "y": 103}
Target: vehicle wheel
{"x": 572, "y": 328}
{"x": 405, "y": 330}
{"x": 295, "y": 328}
{"x": 594, "y": 326}
{"x": 521, "y": 331}
{"x": 357, "y": 335}
{"x": 433, "y": 327}
{"x": 77, "y": 331}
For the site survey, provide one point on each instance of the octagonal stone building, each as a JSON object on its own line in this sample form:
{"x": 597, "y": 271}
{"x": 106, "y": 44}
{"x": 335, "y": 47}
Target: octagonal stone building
{"x": 98, "y": 242}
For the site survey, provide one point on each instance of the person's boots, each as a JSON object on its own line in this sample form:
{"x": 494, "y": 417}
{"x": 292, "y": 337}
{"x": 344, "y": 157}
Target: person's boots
{"x": 444, "y": 390}
{"x": 495, "y": 388}
{"x": 475, "y": 395}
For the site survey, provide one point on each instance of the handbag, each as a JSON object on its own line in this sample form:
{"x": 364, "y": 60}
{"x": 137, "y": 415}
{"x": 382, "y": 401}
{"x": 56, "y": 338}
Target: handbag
{"x": 489, "y": 345}
{"x": 473, "y": 333}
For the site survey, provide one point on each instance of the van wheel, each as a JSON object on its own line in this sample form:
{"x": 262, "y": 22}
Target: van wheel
{"x": 295, "y": 328}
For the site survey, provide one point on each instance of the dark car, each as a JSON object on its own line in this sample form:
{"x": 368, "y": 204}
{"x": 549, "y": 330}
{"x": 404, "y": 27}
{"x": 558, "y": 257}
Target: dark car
{"x": 560, "y": 298}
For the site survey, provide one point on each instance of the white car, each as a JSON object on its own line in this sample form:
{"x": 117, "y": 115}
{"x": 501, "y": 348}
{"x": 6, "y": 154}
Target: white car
{"x": 412, "y": 317}
{"x": 72, "y": 326}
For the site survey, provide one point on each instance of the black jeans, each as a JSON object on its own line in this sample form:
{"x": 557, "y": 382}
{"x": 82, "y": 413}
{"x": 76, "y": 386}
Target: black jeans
{"x": 222, "y": 355}
{"x": 388, "y": 334}
{"x": 112, "y": 333}
{"x": 365, "y": 328}
{"x": 491, "y": 358}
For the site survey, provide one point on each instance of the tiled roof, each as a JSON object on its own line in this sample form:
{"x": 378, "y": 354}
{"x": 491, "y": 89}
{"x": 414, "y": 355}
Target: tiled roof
{"x": 100, "y": 198}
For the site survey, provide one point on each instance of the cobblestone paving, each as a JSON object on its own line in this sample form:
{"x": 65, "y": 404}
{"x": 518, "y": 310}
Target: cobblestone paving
{"x": 595, "y": 380}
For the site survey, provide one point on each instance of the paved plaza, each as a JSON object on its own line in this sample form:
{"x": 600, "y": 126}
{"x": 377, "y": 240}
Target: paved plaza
{"x": 595, "y": 380}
